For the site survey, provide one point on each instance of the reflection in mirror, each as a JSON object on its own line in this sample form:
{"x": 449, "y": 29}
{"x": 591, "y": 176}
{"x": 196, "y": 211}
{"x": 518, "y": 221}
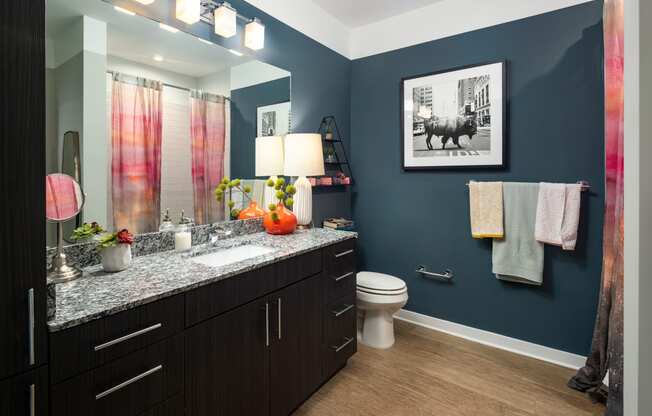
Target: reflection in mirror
{"x": 161, "y": 115}
{"x": 64, "y": 199}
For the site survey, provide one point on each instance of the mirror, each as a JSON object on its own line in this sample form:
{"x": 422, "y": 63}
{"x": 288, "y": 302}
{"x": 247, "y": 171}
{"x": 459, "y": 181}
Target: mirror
{"x": 153, "y": 117}
{"x": 64, "y": 199}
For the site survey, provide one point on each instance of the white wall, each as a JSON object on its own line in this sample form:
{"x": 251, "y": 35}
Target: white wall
{"x": 638, "y": 205}
{"x": 218, "y": 83}
{"x": 127, "y": 67}
{"x": 254, "y": 73}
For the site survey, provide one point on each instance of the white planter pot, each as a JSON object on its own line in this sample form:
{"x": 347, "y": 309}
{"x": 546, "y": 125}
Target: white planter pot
{"x": 117, "y": 258}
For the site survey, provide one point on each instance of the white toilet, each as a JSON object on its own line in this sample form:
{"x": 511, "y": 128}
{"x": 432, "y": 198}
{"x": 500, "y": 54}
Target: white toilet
{"x": 379, "y": 297}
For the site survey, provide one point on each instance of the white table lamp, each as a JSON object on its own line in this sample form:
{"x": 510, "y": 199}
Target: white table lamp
{"x": 304, "y": 156}
{"x": 269, "y": 162}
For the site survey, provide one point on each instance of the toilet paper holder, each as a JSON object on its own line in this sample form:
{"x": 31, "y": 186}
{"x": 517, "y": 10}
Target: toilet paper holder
{"x": 447, "y": 276}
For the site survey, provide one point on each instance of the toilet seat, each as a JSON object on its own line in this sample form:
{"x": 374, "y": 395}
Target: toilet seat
{"x": 380, "y": 284}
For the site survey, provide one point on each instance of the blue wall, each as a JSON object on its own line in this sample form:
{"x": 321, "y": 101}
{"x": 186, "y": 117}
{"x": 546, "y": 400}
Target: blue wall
{"x": 555, "y": 134}
{"x": 244, "y": 109}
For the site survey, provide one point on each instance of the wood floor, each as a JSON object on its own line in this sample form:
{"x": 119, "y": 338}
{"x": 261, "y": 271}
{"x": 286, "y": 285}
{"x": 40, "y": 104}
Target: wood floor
{"x": 431, "y": 373}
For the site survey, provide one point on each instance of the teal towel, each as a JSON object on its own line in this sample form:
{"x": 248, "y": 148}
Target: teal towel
{"x": 519, "y": 256}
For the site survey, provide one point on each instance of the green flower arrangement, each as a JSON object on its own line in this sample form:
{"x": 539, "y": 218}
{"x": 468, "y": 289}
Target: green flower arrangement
{"x": 284, "y": 193}
{"x": 226, "y": 186}
{"x": 86, "y": 230}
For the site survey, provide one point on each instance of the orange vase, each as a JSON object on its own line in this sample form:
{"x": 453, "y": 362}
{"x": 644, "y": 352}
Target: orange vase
{"x": 286, "y": 222}
{"x": 252, "y": 211}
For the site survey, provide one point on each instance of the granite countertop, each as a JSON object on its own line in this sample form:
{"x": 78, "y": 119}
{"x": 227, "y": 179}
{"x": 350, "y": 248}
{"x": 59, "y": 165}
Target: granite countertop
{"x": 164, "y": 274}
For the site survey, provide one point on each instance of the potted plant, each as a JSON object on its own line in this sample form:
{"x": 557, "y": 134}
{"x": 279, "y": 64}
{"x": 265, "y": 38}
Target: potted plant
{"x": 86, "y": 232}
{"x": 279, "y": 219}
{"x": 115, "y": 250}
{"x": 227, "y": 185}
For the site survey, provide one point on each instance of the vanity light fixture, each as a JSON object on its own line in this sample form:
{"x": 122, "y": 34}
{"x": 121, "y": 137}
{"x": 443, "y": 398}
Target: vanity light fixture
{"x": 168, "y": 28}
{"x": 255, "y": 35}
{"x": 158, "y": 58}
{"x": 188, "y": 11}
{"x": 236, "y": 53}
{"x": 225, "y": 20}
{"x": 125, "y": 11}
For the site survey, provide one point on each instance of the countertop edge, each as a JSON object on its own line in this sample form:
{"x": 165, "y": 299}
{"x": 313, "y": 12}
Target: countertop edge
{"x": 52, "y": 328}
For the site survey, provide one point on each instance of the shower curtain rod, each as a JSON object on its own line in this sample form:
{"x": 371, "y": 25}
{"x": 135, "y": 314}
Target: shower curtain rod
{"x": 165, "y": 84}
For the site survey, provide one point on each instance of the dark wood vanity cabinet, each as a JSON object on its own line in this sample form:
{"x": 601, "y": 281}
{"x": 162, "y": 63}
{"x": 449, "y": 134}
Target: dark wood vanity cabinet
{"x": 259, "y": 343}
{"x": 25, "y": 395}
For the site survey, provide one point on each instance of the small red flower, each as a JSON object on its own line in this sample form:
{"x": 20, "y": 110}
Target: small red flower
{"x": 125, "y": 237}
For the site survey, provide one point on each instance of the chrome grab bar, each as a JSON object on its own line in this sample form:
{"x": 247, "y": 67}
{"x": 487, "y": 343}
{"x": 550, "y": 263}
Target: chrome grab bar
{"x": 128, "y": 382}
{"x": 344, "y": 253}
{"x": 127, "y": 337}
{"x": 341, "y": 347}
{"x": 31, "y": 324}
{"x": 446, "y": 276}
{"x": 344, "y": 276}
{"x": 342, "y": 311}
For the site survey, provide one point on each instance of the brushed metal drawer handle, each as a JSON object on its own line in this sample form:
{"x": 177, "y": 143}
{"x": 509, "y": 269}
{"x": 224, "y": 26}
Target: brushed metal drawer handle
{"x": 344, "y": 253}
{"x": 344, "y": 276}
{"x": 31, "y": 322}
{"x": 342, "y": 311}
{"x": 341, "y": 347}
{"x": 32, "y": 400}
{"x": 127, "y": 337}
{"x": 128, "y": 382}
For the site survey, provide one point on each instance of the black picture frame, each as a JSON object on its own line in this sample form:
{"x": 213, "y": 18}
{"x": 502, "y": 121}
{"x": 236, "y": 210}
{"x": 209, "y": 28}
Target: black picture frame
{"x": 504, "y": 119}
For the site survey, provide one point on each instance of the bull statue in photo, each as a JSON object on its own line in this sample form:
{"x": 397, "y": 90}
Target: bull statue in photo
{"x": 450, "y": 128}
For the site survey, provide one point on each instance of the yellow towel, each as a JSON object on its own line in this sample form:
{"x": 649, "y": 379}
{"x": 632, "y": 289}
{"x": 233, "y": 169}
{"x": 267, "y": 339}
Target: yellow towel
{"x": 486, "y": 203}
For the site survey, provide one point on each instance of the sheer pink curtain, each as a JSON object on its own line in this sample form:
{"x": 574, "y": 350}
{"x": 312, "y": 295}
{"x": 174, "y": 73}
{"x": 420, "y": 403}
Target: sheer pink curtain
{"x": 207, "y": 127}
{"x": 607, "y": 348}
{"x": 136, "y": 148}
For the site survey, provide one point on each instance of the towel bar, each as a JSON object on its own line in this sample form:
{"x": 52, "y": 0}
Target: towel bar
{"x": 585, "y": 185}
{"x": 447, "y": 276}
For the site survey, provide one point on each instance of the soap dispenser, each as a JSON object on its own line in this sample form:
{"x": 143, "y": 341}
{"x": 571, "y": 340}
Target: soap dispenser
{"x": 183, "y": 234}
{"x": 166, "y": 222}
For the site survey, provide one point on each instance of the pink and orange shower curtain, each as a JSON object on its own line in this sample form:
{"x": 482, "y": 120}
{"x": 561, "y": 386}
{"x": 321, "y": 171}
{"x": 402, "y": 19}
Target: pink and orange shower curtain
{"x": 207, "y": 127}
{"x": 607, "y": 349}
{"x": 136, "y": 153}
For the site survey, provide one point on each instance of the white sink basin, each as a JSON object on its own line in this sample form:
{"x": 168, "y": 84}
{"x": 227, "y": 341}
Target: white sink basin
{"x": 232, "y": 255}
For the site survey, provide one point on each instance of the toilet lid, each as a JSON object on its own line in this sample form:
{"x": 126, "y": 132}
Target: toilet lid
{"x": 379, "y": 283}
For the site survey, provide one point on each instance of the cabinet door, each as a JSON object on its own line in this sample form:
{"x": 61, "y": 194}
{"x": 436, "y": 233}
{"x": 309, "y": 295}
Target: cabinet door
{"x": 227, "y": 361}
{"x": 22, "y": 186}
{"x": 296, "y": 354}
{"x": 25, "y": 395}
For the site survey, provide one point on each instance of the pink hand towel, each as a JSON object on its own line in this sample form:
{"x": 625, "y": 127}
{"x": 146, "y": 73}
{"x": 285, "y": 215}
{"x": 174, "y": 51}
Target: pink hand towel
{"x": 558, "y": 212}
{"x": 571, "y": 216}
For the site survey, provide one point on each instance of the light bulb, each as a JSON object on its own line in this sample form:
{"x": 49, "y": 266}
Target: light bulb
{"x": 225, "y": 21}
{"x": 188, "y": 11}
{"x": 255, "y": 35}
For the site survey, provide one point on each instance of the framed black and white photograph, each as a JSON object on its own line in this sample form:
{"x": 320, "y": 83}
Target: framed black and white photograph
{"x": 273, "y": 120}
{"x": 455, "y": 118}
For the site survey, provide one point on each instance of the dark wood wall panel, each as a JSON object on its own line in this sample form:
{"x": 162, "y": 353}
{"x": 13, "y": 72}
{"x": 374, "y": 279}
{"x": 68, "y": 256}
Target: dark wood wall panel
{"x": 22, "y": 170}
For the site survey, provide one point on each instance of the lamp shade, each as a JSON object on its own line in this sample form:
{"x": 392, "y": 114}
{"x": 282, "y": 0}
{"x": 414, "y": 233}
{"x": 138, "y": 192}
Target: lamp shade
{"x": 225, "y": 21}
{"x": 269, "y": 156}
{"x": 254, "y": 35}
{"x": 304, "y": 155}
{"x": 188, "y": 11}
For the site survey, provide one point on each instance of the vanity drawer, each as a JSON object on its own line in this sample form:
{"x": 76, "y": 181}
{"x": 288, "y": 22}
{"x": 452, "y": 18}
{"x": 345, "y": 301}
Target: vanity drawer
{"x": 128, "y": 386}
{"x": 340, "y": 266}
{"x": 340, "y": 333}
{"x": 90, "y": 345}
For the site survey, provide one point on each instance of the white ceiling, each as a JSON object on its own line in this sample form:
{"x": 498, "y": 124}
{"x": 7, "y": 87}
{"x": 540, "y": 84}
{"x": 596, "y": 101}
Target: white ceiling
{"x": 138, "y": 39}
{"x": 362, "y": 12}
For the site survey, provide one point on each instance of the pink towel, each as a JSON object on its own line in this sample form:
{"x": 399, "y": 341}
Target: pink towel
{"x": 558, "y": 213}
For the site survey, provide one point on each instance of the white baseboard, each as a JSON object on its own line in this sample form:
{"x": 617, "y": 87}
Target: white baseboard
{"x": 528, "y": 349}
